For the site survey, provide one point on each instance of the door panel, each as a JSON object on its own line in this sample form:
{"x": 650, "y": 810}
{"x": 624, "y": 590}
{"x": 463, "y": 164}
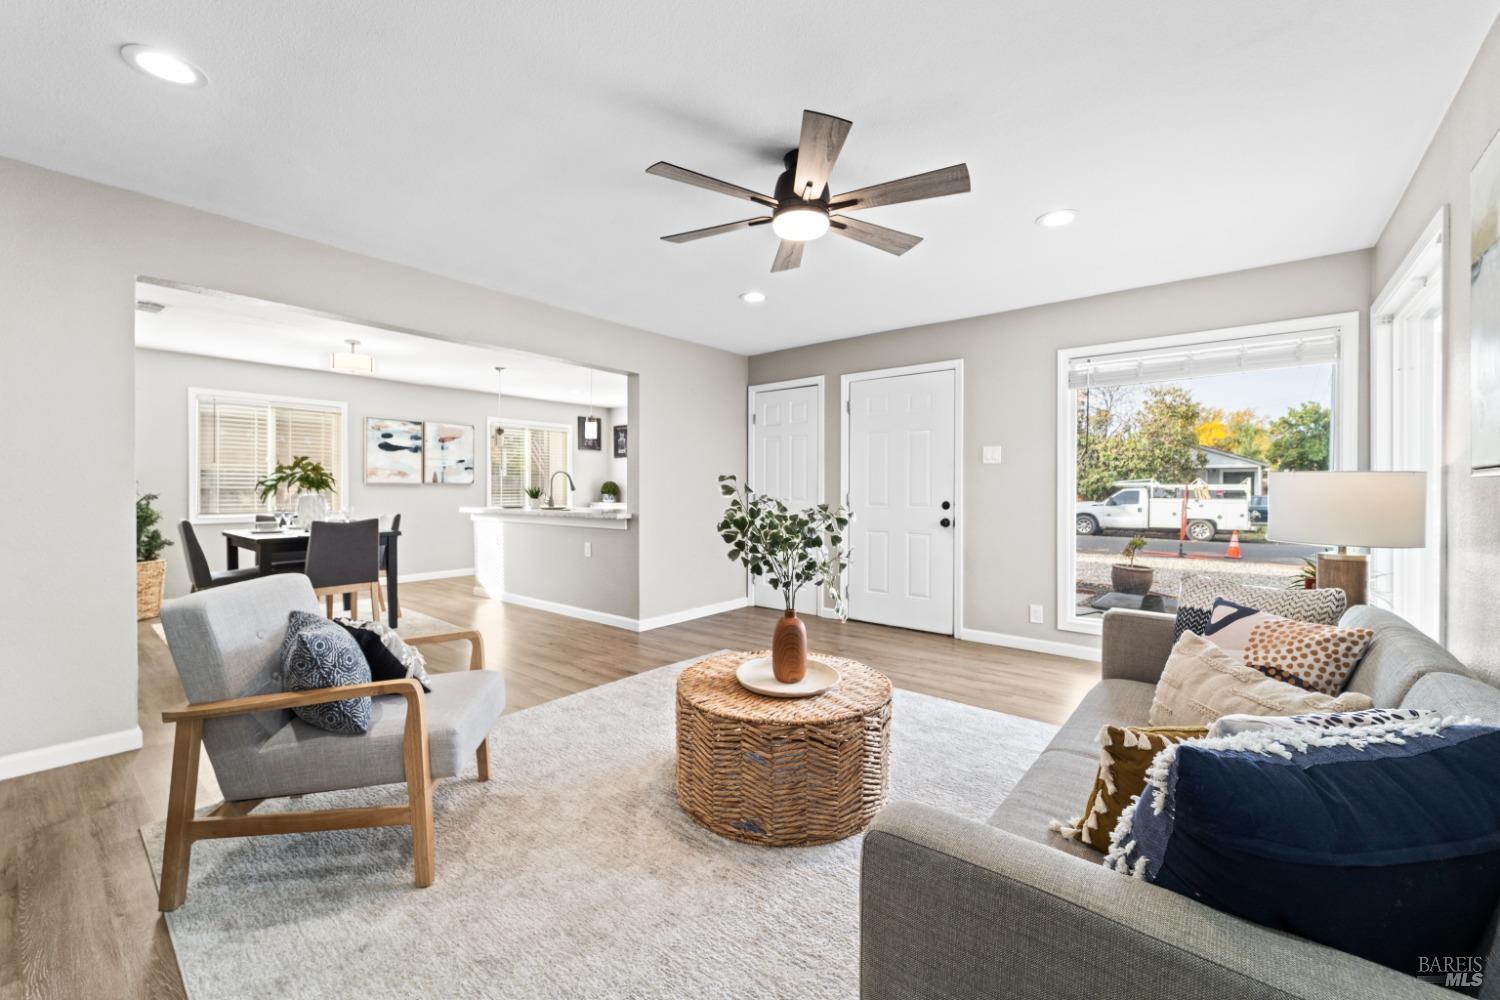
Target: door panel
{"x": 902, "y": 433}
{"x": 785, "y": 463}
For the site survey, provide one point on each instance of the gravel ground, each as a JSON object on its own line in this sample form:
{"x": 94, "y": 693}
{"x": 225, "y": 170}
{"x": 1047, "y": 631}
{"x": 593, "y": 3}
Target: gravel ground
{"x": 1093, "y": 568}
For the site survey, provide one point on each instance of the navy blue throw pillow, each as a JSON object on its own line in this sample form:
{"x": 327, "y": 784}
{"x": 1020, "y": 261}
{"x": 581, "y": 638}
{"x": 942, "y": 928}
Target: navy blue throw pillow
{"x": 1382, "y": 841}
{"x": 316, "y": 654}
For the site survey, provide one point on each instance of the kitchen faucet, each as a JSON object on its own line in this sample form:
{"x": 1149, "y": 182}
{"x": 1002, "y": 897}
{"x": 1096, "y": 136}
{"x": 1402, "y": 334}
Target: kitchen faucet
{"x": 552, "y": 492}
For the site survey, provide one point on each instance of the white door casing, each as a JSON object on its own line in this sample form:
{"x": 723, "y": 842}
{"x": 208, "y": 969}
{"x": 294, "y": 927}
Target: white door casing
{"x": 901, "y": 440}
{"x": 786, "y": 462}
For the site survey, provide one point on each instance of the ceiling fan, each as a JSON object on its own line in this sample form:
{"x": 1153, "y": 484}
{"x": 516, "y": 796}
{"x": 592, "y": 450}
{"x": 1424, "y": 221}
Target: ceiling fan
{"x": 802, "y": 209}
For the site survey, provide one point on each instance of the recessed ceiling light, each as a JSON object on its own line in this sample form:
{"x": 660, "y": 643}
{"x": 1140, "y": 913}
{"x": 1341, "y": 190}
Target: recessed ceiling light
{"x": 1057, "y": 217}
{"x": 753, "y": 297}
{"x": 162, "y": 65}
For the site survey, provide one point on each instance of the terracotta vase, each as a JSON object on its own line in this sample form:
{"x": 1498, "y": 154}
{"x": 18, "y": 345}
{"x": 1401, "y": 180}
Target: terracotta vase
{"x": 789, "y": 649}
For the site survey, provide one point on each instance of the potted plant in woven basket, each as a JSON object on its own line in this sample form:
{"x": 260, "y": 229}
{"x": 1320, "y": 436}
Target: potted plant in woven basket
{"x": 305, "y": 479}
{"x": 789, "y": 550}
{"x": 1127, "y": 577}
{"x": 150, "y": 567}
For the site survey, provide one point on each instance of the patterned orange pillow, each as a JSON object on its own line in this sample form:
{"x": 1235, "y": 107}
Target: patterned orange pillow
{"x": 1319, "y": 657}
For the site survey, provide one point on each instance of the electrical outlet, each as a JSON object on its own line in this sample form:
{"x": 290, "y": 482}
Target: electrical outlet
{"x": 588, "y": 550}
{"x": 1036, "y": 614}
{"x": 992, "y": 454}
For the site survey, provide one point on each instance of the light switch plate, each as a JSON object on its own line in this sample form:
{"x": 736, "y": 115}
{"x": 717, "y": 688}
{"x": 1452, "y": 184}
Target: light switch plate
{"x": 992, "y": 454}
{"x": 588, "y": 550}
{"x": 1036, "y": 614}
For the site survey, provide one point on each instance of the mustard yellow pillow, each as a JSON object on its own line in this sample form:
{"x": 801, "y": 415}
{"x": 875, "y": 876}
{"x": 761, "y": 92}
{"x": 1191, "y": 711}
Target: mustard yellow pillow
{"x": 1126, "y": 752}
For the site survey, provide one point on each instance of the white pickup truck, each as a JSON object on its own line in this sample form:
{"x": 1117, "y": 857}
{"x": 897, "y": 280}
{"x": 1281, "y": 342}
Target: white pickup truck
{"x": 1146, "y": 505}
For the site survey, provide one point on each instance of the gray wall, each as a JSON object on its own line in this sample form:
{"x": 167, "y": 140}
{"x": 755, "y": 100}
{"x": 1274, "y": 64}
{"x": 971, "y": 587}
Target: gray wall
{"x": 436, "y": 537}
{"x": 71, "y": 253}
{"x": 1472, "y": 505}
{"x": 1010, "y": 360}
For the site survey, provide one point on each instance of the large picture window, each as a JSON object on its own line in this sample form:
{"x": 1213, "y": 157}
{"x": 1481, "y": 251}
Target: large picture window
{"x": 525, "y": 455}
{"x": 238, "y": 438}
{"x": 1175, "y": 440}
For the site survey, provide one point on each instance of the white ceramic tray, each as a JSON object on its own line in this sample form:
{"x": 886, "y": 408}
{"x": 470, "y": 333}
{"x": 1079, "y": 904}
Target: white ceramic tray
{"x": 755, "y": 674}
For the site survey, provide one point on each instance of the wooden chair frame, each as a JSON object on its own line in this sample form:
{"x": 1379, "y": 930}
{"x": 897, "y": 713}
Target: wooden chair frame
{"x": 233, "y": 819}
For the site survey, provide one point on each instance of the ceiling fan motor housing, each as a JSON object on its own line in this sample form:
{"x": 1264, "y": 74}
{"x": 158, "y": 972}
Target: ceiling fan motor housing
{"x": 787, "y": 197}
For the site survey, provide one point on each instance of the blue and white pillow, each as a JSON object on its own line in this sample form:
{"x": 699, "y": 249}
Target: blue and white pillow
{"x": 1229, "y": 725}
{"x": 1382, "y": 841}
{"x": 318, "y": 653}
{"x": 1195, "y": 603}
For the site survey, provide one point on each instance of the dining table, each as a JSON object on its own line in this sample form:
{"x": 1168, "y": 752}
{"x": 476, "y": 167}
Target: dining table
{"x": 269, "y": 546}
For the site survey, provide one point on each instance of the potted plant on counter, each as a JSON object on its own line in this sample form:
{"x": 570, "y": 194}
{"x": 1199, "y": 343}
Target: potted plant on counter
{"x": 533, "y": 495}
{"x": 609, "y": 492}
{"x": 305, "y": 479}
{"x": 1127, "y": 577}
{"x": 150, "y": 567}
{"x": 789, "y": 550}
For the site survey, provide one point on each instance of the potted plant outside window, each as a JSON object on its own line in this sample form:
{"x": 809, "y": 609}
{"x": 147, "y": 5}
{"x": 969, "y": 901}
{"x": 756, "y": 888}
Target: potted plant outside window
{"x": 789, "y": 550}
{"x": 150, "y": 567}
{"x": 1127, "y": 577}
{"x": 304, "y": 479}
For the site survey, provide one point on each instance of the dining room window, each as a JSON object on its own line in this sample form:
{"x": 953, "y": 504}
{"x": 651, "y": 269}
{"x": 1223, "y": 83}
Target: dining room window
{"x": 524, "y": 454}
{"x": 239, "y": 438}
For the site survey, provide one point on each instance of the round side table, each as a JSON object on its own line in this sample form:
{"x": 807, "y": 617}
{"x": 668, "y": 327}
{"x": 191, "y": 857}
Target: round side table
{"x": 782, "y": 772}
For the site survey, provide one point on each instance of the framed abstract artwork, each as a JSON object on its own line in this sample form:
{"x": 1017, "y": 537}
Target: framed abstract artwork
{"x": 622, "y": 433}
{"x": 393, "y": 451}
{"x": 1484, "y": 312}
{"x": 448, "y": 453}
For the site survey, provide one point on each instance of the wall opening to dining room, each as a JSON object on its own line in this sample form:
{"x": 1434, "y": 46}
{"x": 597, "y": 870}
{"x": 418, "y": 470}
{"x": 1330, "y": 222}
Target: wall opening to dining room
{"x": 229, "y": 386}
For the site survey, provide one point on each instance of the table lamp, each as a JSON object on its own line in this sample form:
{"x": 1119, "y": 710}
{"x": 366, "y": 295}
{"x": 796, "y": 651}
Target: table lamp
{"x": 1378, "y": 510}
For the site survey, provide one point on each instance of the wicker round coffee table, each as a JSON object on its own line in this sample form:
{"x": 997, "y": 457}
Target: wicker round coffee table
{"x": 782, "y": 771}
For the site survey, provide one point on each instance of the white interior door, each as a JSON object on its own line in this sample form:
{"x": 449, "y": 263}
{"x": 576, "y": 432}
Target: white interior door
{"x": 787, "y": 463}
{"x": 902, "y": 431}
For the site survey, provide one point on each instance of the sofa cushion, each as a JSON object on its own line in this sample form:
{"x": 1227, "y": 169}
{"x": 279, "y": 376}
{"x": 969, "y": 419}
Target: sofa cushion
{"x": 320, "y": 654}
{"x": 1108, "y": 703}
{"x": 300, "y": 758}
{"x": 1125, "y": 753}
{"x": 1052, "y": 787}
{"x": 1455, "y": 695}
{"x": 1399, "y": 656}
{"x": 1195, "y": 605}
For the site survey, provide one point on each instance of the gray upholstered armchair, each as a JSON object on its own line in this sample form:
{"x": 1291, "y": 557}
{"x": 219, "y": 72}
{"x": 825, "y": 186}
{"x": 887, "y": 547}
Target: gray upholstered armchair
{"x": 226, "y": 645}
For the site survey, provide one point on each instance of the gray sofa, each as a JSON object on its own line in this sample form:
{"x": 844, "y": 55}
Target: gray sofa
{"x": 953, "y": 908}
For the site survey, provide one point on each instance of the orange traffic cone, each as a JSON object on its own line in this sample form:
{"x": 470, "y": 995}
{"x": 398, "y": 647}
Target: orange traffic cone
{"x": 1234, "y": 546}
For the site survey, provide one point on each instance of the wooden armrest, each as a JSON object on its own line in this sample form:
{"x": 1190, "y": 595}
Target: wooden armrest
{"x": 405, "y": 686}
{"x": 476, "y": 643}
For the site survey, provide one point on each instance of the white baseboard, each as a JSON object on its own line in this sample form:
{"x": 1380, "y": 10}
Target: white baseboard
{"x": 675, "y": 617}
{"x": 587, "y": 614}
{"x": 1072, "y": 649}
{"x": 622, "y": 621}
{"x": 437, "y": 574}
{"x": 13, "y": 765}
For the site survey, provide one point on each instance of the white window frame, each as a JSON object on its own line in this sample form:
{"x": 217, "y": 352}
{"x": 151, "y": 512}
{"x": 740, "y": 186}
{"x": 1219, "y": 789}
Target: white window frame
{"x": 1344, "y": 432}
{"x": 195, "y": 393}
{"x": 508, "y": 424}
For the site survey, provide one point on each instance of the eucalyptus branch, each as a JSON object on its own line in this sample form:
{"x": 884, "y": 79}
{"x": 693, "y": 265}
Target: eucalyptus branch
{"x": 787, "y": 549}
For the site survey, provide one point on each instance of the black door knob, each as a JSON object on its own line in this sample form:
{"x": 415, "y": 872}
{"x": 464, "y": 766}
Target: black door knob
{"x": 946, "y": 505}
{"x": 945, "y": 522}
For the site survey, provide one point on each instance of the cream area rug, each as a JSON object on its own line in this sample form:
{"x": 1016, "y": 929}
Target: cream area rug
{"x": 572, "y": 873}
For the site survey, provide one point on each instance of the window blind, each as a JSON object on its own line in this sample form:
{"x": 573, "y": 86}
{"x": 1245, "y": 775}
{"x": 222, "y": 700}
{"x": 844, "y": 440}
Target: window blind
{"x": 524, "y": 456}
{"x": 241, "y": 440}
{"x": 1314, "y": 347}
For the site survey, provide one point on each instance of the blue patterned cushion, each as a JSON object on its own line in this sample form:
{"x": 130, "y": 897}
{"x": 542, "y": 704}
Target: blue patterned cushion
{"x": 1195, "y": 604}
{"x": 318, "y": 653}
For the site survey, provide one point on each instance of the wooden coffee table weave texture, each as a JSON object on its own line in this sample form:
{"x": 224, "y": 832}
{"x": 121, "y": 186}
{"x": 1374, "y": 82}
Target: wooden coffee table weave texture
{"x": 782, "y": 771}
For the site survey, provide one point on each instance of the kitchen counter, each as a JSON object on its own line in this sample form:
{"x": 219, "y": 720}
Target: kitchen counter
{"x": 558, "y": 560}
{"x": 578, "y": 517}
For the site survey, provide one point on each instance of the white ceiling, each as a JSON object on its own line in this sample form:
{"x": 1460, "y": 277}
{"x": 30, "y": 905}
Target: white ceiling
{"x": 506, "y": 143}
{"x": 220, "y": 325}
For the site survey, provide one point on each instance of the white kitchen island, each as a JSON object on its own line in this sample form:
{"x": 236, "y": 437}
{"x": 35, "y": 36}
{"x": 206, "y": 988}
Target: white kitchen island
{"x": 578, "y": 561}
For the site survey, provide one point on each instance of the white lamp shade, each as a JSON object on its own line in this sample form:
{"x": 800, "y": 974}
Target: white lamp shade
{"x": 1378, "y": 510}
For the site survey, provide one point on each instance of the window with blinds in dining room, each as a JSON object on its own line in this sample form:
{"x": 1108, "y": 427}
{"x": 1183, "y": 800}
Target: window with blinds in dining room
{"x": 241, "y": 438}
{"x": 524, "y": 455}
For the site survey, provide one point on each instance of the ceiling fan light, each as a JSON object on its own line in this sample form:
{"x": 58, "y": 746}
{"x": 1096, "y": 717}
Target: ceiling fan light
{"x": 800, "y": 223}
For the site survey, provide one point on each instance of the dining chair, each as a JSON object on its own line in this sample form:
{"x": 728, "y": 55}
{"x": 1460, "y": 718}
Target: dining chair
{"x": 343, "y": 560}
{"x": 226, "y": 645}
{"x": 198, "y": 572}
{"x": 385, "y": 558}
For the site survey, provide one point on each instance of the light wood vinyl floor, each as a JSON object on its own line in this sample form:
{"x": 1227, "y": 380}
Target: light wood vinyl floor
{"x": 78, "y": 912}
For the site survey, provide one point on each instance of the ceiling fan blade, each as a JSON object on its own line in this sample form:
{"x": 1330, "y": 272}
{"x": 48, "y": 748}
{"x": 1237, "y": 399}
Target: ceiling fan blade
{"x": 728, "y": 227}
{"x": 822, "y": 138}
{"x": 933, "y": 184}
{"x": 890, "y": 240}
{"x": 673, "y": 172}
{"x": 788, "y": 256}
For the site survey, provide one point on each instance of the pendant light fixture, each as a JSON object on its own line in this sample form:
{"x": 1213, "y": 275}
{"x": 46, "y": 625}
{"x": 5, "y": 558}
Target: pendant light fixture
{"x": 499, "y": 399}
{"x": 351, "y": 362}
{"x": 591, "y": 422}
